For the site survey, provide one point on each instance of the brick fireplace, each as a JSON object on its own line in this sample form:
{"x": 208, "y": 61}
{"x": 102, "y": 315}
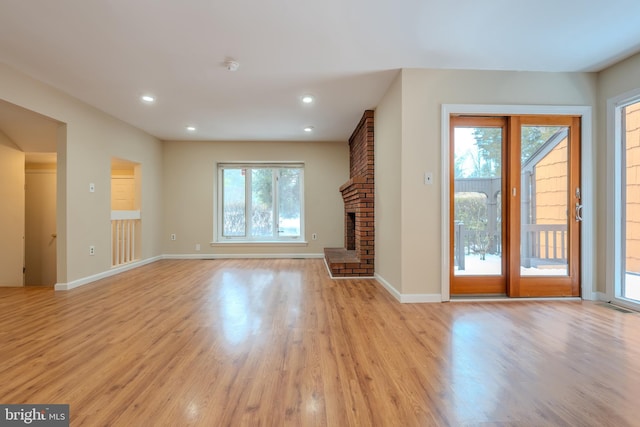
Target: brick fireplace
{"x": 357, "y": 256}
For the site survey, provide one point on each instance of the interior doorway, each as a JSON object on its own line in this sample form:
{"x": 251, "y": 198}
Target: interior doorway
{"x": 516, "y": 205}
{"x": 40, "y": 236}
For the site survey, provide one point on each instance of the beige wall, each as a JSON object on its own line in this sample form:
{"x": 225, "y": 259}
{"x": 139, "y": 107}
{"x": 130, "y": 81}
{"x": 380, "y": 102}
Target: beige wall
{"x": 388, "y": 140}
{"x": 423, "y": 93}
{"x": 189, "y": 179}
{"x": 92, "y": 139}
{"x": 11, "y": 213}
{"x": 614, "y": 81}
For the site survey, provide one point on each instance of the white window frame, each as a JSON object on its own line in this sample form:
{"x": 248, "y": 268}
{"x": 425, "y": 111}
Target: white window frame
{"x": 218, "y": 205}
{"x": 614, "y": 198}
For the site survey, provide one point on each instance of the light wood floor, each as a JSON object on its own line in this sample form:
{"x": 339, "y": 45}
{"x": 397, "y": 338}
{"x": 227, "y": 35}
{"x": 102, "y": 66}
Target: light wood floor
{"x": 276, "y": 342}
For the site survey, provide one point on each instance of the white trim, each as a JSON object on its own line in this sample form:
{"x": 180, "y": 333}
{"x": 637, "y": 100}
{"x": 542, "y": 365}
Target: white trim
{"x": 407, "y": 298}
{"x": 260, "y": 243}
{"x": 614, "y": 214}
{"x": 389, "y": 287}
{"x": 587, "y": 173}
{"x": 420, "y": 298}
{"x": 121, "y": 269}
{"x": 402, "y": 298}
{"x": 447, "y": 110}
{"x": 240, "y": 256}
{"x": 218, "y": 185}
{"x": 625, "y": 303}
{"x": 332, "y": 277}
{"x": 123, "y": 215}
{"x": 620, "y": 302}
{"x": 601, "y": 296}
{"x": 112, "y": 272}
{"x": 612, "y": 190}
{"x": 343, "y": 277}
{"x": 262, "y": 164}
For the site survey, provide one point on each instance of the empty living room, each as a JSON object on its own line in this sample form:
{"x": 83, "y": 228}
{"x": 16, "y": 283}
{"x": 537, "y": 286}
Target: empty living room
{"x": 346, "y": 213}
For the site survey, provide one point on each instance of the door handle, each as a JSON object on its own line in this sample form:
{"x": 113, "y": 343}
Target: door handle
{"x": 578, "y": 212}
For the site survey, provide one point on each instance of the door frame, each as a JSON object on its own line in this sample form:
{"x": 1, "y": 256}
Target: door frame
{"x": 613, "y": 269}
{"x": 587, "y": 172}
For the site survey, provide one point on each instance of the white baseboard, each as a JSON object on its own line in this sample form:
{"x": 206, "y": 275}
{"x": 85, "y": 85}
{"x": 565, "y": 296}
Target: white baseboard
{"x": 408, "y": 298}
{"x": 343, "y": 277}
{"x": 237, "y": 256}
{"x": 403, "y": 298}
{"x": 389, "y": 287}
{"x": 112, "y": 272}
{"x": 89, "y": 279}
{"x": 420, "y": 298}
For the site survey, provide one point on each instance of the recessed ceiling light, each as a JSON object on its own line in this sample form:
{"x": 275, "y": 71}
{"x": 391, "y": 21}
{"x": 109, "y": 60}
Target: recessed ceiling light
{"x": 191, "y": 128}
{"x": 148, "y": 98}
{"x": 308, "y": 129}
{"x": 307, "y": 99}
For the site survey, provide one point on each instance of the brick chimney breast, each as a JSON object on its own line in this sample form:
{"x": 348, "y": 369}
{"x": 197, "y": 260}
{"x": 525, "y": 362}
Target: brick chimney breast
{"x": 357, "y": 257}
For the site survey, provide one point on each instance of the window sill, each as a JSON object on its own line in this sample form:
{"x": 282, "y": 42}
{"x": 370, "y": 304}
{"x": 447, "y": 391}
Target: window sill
{"x": 260, "y": 243}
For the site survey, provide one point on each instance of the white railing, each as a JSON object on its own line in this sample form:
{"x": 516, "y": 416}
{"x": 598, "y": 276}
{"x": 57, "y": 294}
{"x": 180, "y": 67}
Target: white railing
{"x": 124, "y": 228}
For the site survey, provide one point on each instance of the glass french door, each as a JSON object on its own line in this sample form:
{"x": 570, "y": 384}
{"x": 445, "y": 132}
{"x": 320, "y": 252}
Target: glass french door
{"x": 546, "y": 206}
{"x": 516, "y": 206}
{"x": 477, "y": 182}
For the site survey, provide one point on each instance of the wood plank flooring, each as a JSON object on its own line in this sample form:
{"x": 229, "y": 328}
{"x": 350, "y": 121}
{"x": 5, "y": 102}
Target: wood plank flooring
{"x": 278, "y": 343}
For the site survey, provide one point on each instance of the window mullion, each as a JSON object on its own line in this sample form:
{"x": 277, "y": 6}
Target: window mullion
{"x": 275, "y": 199}
{"x": 248, "y": 229}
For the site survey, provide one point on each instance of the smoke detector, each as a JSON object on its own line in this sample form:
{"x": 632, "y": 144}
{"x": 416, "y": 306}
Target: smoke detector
{"x": 231, "y": 65}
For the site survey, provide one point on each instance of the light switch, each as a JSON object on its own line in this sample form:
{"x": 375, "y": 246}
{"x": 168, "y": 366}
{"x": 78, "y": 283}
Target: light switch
{"x": 92, "y": 187}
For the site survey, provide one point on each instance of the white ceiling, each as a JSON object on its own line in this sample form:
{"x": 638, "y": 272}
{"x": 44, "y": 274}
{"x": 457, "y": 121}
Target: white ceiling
{"x": 345, "y": 52}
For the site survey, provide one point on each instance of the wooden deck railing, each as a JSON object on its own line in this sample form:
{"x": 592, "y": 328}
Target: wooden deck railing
{"x": 541, "y": 244}
{"x": 544, "y": 243}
